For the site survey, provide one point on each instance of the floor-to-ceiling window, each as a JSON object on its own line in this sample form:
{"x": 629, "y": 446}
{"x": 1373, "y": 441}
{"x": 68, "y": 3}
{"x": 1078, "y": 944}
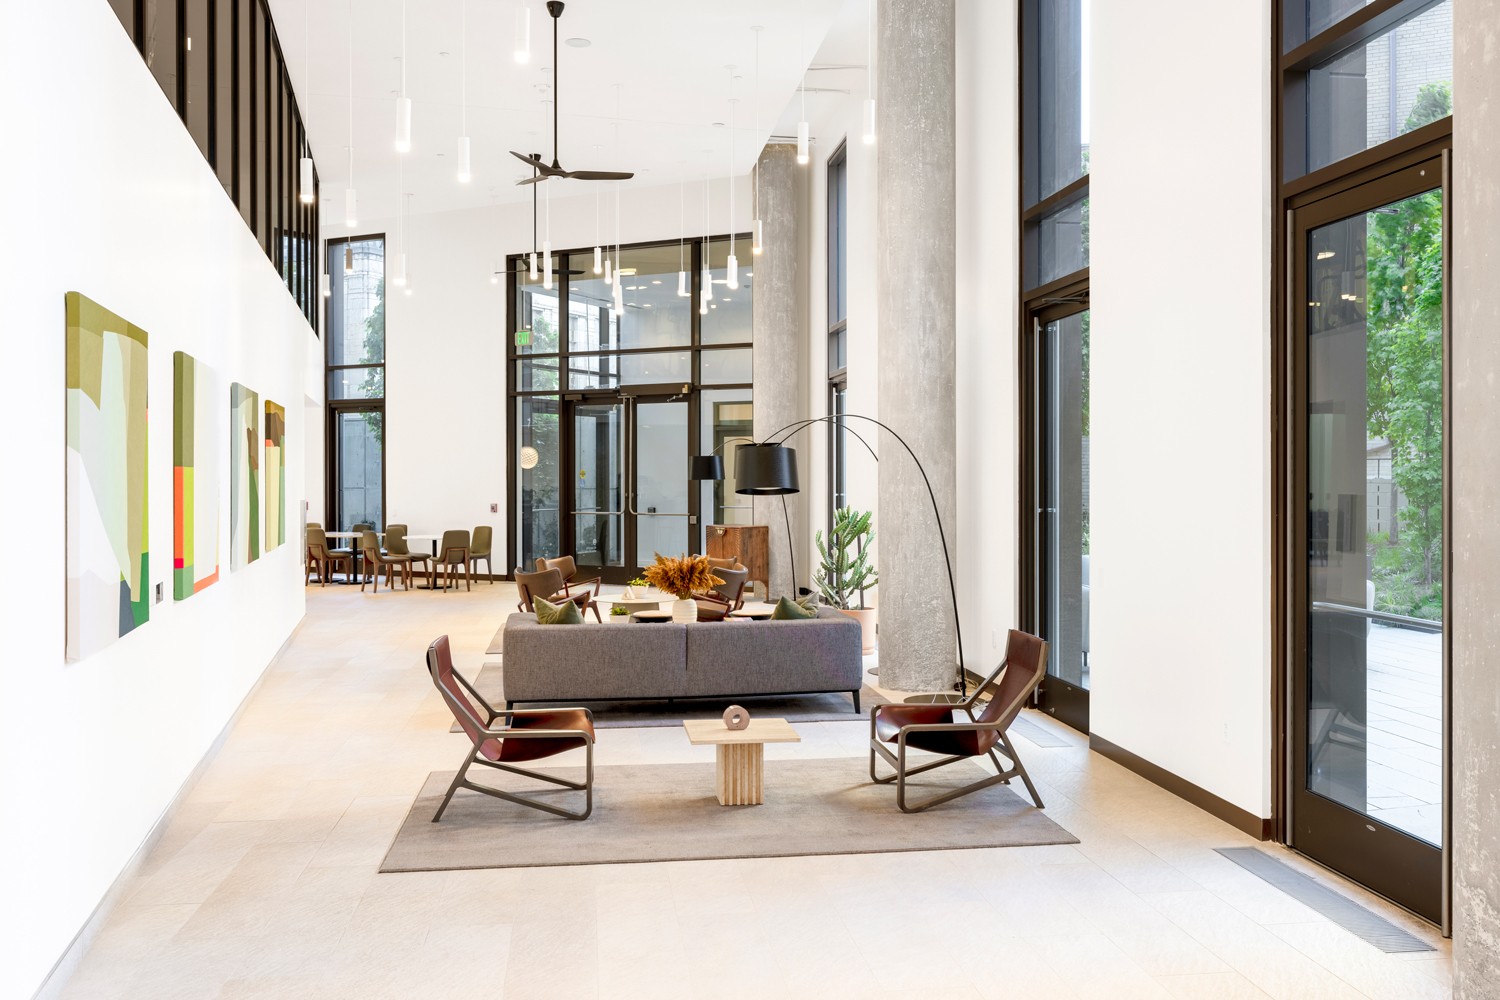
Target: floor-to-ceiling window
{"x": 1054, "y": 202}
{"x": 355, "y": 345}
{"x": 1364, "y": 133}
{"x": 615, "y": 384}
{"x": 838, "y": 326}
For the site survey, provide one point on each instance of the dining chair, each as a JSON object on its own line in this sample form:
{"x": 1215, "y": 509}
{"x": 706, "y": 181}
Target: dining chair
{"x": 453, "y": 555}
{"x": 549, "y": 586}
{"x": 376, "y": 560}
{"x": 322, "y": 559}
{"x": 480, "y": 549}
{"x": 525, "y": 734}
{"x": 940, "y": 729}
{"x": 395, "y": 544}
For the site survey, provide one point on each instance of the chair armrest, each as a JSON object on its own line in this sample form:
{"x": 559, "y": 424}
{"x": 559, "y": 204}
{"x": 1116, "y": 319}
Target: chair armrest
{"x": 593, "y": 585}
{"x": 541, "y": 734}
{"x": 976, "y": 727}
{"x": 588, "y": 713}
{"x": 477, "y": 697}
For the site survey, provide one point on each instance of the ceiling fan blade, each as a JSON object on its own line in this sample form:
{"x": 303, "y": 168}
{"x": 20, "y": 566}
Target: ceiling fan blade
{"x": 599, "y": 175}
{"x": 534, "y": 162}
{"x": 533, "y": 179}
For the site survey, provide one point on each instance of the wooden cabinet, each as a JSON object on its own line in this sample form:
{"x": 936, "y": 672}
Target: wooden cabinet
{"x": 749, "y": 543}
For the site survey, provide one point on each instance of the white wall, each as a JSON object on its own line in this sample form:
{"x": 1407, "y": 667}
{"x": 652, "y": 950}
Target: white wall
{"x": 1180, "y": 185}
{"x": 103, "y": 192}
{"x": 446, "y": 407}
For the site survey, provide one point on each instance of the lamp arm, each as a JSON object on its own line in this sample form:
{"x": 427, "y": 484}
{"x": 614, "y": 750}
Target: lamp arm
{"x": 800, "y": 425}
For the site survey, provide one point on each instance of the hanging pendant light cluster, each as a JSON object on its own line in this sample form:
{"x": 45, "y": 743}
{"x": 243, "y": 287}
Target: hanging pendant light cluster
{"x": 305, "y": 167}
{"x": 403, "y": 103}
{"x": 732, "y": 266}
{"x": 351, "y": 217}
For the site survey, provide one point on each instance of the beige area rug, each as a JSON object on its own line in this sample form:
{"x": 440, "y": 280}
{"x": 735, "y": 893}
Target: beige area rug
{"x": 668, "y": 812}
{"x": 832, "y": 706}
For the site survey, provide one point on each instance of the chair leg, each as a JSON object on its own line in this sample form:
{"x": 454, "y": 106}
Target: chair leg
{"x": 458, "y": 782}
{"x": 1020, "y": 768}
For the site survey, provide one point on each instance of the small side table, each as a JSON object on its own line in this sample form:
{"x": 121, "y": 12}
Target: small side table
{"x": 740, "y": 755}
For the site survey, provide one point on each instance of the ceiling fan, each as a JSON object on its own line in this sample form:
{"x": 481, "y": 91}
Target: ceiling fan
{"x": 523, "y": 264}
{"x": 544, "y": 171}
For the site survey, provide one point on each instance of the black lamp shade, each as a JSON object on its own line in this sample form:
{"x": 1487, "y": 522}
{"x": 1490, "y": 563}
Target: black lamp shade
{"x": 765, "y": 470}
{"x": 707, "y": 467}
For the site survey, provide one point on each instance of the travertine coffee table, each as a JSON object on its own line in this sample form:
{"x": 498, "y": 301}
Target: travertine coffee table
{"x": 740, "y": 755}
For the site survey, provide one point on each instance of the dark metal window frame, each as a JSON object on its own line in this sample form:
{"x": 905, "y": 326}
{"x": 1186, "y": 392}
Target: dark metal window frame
{"x": 1039, "y": 304}
{"x": 1292, "y": 190}
{"x": 515, "y": 265}
{"x": 334, "y": 407}
{"x": 838, "y": 328}
{"x": 268, "y": 209}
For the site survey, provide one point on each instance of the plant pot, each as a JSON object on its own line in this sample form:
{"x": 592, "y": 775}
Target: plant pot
{"x": 684, "y": 611}
{"x": 866, "y": 618}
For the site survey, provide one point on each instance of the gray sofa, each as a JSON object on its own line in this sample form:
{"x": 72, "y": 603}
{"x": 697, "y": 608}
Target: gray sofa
{"x": 639, "y": 662}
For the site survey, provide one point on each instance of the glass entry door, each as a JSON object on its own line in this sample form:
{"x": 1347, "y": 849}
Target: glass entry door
{"x": 626, "y": 482}
{"x": 598, "y": 487}
{"x": 1368, "y": 713}
{"x": 1062, "y": 509}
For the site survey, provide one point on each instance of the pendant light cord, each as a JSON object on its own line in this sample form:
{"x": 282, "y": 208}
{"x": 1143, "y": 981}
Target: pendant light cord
{"x": 351, "y": 94}
{"x": 730, "y": 175}
{"x": 463, "y": 65}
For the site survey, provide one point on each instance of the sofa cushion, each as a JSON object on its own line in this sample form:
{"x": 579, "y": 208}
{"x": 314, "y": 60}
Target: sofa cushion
{"x": 773, "y": 657}
{"x": 788, "y": 610}
{"x": 592, "y": 662}
{"x": 547, "y": 613}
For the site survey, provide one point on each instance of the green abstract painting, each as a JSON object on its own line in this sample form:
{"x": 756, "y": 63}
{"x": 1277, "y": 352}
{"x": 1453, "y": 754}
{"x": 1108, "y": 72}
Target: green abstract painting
{"x": 244, "y": 476}
{"x": 275, "y": 475}
{"x": 196, "y": 434}
{"x": 109, "y": 589}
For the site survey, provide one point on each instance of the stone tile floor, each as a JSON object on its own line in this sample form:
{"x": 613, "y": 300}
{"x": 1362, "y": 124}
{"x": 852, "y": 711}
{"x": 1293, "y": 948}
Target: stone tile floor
{"x": 264, "y": 882}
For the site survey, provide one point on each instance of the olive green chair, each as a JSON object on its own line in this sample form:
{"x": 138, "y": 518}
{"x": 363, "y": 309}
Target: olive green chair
{"x": 376, "y": 561}
{"x": 395, "y": 544}
{"x": 453, "y": 555}
{"x": 479, "y": 548}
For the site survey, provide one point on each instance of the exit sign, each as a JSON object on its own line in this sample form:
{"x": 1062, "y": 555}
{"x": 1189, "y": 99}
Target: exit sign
{"x": 523, "y": 338}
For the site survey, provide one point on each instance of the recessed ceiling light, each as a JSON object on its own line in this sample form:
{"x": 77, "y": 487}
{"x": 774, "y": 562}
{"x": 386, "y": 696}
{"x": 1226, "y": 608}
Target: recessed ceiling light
{"x": 579, "y": 43}
{"x": 655, "y": 281}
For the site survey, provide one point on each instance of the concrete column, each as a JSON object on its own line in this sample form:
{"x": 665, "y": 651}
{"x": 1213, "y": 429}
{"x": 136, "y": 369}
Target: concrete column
{"x": 916, "y": 234}
{"x": 779, "y": 335}
{"x": 1474, "y": 619}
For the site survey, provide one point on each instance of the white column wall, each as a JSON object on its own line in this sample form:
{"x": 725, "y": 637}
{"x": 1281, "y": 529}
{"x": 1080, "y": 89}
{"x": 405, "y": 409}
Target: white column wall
{"x": 104, "y": 192}
{"x": 1180, "y": 381}
{"x": 988, "y": 268}
{"x": 446, "y": 410}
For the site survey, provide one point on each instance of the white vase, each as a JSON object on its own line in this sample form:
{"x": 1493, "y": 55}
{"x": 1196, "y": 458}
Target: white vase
{"x": 629, "y": 594}
{"x": 685, "y": 611}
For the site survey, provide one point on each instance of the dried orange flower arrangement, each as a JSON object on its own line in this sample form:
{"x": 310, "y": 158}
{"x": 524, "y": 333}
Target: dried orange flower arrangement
{"x": 681, "y": 576}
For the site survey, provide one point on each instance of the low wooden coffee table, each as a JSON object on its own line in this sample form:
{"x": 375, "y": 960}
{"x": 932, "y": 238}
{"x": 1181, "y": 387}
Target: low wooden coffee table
{"x": 740, "y": 755}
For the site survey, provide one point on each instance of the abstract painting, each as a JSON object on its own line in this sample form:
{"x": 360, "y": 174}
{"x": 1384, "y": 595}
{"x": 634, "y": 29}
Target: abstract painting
{"x": 244, "y": 476}
{"x": 196, "y": 430}
{"x": 109, "y": 589}
{"x": 275, "y": 475}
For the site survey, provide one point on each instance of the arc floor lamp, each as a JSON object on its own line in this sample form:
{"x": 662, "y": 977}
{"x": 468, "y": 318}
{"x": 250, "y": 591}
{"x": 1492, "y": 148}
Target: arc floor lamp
{"x": 769, "y": 468}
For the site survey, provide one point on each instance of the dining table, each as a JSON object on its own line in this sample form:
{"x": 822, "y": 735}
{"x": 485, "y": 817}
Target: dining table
{"x": 353, "y": 537}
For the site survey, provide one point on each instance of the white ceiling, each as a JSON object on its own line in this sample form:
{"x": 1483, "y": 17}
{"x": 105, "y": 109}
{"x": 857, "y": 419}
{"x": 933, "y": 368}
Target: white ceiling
{"x": 670, "y": 58}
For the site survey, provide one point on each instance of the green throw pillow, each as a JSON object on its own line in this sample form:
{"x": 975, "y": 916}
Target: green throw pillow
{"x": 566, "y": 613}
{"x": 790, "y": 610}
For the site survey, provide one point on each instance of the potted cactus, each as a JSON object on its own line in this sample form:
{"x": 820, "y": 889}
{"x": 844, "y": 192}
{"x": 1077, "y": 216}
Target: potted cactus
{"x": 845, "y": 570}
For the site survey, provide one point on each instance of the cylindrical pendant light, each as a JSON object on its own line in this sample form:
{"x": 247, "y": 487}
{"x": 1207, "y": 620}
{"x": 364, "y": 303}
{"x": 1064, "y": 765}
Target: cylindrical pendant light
{"x": 398, "y": 273}
{"x": 522, "y": 49}
{"x": 403, "y": 103}
{"x": 755, "y": 242}
{"x": 609, "y": 271}
{"x": 547, "y": 265}
{"x": 802, "y": 129}
{"x": 703, "y": 302}
{"x": 619, "y": 296}
{"x": 682, "y": 288}
{"x": 325, "y": 285}
{"x": 869, "y": 136}
{"x": 403, "y": 124}
{"x": 495, "y": 273}
{"x": 533, "y": 271}
{"x": 598, "y": 260}
{"x": 348, "y": 258}
{"x": 305, "y": 181}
